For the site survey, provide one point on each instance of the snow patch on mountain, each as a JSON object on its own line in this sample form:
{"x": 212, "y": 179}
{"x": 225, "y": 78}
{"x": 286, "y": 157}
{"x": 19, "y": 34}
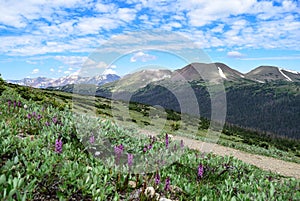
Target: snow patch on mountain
{"x": 221, "y": 73}
{"x": 291, "y": 71}
{"x": 287, "y": 77}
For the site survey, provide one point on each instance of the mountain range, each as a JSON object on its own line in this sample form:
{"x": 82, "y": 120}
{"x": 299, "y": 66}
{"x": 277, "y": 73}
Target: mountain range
{"x": 43, "y": 82}
{"x": 266, "y": 99}
{"x": 260, "y": 74}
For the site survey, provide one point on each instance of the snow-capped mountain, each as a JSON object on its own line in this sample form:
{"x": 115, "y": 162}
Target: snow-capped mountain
{"x": 39, "y": 82}
{"x": 42, "y": 82}
{"x": 271, "y": 73}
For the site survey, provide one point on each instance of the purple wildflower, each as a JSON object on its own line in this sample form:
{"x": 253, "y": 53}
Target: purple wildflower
{"x": 167, "y": 185}
{"x": 167, "y": 140}
{"x": 157, "y": 178}
{"x": 129, "y": 159}
{"x": 39, "y": 117}
{"x": 92, "y": 139}
{"x": 19, "y": 104}
{"x": 58, "y": 146}
{"x": 149, "y": 146}
{"x": 145, "y": 149}
{"x": 47, "y": 123}
{"x": 54, "y": 119}
{"x": 181, "y": 144}
{"x": 9, "y": 103}
{"x": 200, "y": 171}
{"x": 15, "y": 104}
{"x": 29, "y": 116}
{"x": 118, "y": 152}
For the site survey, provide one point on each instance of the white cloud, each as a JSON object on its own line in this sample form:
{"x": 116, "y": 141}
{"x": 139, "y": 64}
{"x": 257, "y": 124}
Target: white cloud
{"x": 141, "y": 56}
{"x": 109, "y": 71}
{"x": 60, "y": 31}
{"x": 35, "y": 71}
{"x": 67, "y": 72}
{"x": 234, "y": 54}
{"x": 105, "y": 8}
{"x": 201, "y": 13}
{"x": 52, "y": 70}
{"x": 31, "y": 62}
{"x": 72, "y": 61}
{"x": 218, "y": 29}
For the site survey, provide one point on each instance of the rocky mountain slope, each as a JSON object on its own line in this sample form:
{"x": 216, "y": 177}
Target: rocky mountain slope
{"x": 42, "y": 82}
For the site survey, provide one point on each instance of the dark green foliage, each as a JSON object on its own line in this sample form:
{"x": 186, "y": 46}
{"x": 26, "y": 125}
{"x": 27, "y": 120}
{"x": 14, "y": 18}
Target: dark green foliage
{"x": 272, "y": 107}
{"x": 172, "y": 115}
{"x": 204, "y": 123}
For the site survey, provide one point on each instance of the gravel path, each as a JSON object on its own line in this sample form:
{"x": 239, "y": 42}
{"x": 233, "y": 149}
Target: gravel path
{"x": 281, "y": 167}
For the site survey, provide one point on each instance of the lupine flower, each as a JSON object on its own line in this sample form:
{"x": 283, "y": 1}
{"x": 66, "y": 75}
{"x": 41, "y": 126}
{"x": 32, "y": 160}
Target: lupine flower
{"x": 167, "y": 185}
{"x": 145, "y": 149}
{"x": 92, "y": 139}
{"x": 39, "y": 117}
{"x": 29, "y": 116}
{"x": 118, "y": 152}
{"x": 149, "y": 146}
{"x": 47, "y": 123}
{"x": 19, "y": 104}
{"x": 200, "y": 171}
{"x": 54, "y": 119}
{"x": 58, "y": 146}
{"x": 167, "y": 140}
{"x": 157, "y": 178}
{"x": 181, "y": 144}
{"x": 129, "y": 159}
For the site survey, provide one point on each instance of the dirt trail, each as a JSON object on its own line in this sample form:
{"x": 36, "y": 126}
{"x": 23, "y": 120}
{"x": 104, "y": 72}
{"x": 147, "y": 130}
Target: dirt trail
{"x": 266, "y": 163}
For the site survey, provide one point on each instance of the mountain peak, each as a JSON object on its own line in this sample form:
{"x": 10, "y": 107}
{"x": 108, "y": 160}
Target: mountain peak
{"x": 272, "y": 73}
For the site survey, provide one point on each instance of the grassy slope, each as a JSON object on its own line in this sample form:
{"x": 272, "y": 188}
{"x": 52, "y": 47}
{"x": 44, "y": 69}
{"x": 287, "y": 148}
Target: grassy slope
{"x": 30, "y": 169}
{"x": 149, "y": 118}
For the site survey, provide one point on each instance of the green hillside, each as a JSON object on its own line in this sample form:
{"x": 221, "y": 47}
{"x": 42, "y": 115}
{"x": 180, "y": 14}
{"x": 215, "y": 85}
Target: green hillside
{"x": 43, "y": 158}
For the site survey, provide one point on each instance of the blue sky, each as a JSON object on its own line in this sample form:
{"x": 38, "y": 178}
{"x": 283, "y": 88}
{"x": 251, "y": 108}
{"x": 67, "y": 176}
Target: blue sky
{"x": 60, "y": 37}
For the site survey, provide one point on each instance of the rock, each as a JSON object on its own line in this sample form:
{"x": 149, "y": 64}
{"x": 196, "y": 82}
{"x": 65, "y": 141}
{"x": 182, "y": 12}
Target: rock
{"x": 157, "y": 196}
{"x": 164, "y": 199}
{"x": 132, "y": 184}
{"x": 149, "y": 192}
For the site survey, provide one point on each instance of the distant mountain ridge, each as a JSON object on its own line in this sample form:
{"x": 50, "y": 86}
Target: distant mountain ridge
{"x": 193, "y": 71}
{"x": 42, "y": 82}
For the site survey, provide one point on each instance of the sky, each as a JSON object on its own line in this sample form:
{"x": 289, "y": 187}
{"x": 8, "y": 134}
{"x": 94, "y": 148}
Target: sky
{"x": 55, "y": 38}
